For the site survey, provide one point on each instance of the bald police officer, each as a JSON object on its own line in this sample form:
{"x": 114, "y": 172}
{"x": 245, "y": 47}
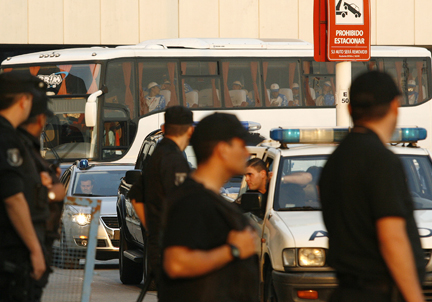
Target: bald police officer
{"x": 22, "y": 260}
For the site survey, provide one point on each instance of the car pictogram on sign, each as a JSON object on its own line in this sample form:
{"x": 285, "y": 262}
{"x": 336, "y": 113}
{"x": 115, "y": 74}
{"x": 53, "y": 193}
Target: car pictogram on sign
{"x": 349, "y": 7}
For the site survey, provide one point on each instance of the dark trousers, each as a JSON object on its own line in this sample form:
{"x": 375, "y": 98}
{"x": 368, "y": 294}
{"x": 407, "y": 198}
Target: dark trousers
{"x": 16, "y": 284}
{"x": 354, "y": 289}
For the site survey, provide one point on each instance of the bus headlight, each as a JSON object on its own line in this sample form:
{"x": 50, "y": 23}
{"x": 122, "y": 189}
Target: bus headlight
{"x": 311, "y": 257}
{"x": 289, "y": 257}
{"x": 81, "y": 219}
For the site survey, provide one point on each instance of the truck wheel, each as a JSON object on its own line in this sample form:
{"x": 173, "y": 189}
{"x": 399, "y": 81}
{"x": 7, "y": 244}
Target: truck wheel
{"x": 269, "y": 291}
{"x": 343, "y": 15}
{"x": 130, "y": 272}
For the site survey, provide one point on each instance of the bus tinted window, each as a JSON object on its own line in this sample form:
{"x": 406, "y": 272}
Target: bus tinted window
{"x": 158, "y": 86}
{"x": 242, "y": 83}
{"x": 198, "y": 91}
{"x": 319, "y": 83}
{"x": 120, "y": 81}
{"x": 410, "y": 74}
{"x": 66, "y": 79}
{"x": 286, "y": 74}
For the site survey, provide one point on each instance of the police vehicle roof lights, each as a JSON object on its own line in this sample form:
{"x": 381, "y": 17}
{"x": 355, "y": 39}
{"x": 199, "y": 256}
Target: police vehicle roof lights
{"x": 83, "y": 164}
{"x": 335, "y": 135}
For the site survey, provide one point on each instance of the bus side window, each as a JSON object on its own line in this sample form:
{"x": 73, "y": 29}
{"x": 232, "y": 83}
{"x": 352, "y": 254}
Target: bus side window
{"x": 121, "y": 82}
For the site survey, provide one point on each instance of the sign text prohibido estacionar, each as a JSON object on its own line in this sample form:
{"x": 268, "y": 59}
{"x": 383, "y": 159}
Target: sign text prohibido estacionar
{"x": 348, "y": 30}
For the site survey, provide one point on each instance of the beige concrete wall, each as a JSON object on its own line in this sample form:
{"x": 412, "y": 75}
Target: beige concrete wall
{"x": 119, "y": 21}
{"x": 393, "y": 22}
{"x": 13, "y": 21}
{"x": 158, "y": 19}
{"x": 423, "y": 28}
{"x": 238, "y": 18}
{"x": 82, "y": 22}
{"x": 198, "y": 18}
{"x": 278, "y": 19}
{"x": 45, "y": 22}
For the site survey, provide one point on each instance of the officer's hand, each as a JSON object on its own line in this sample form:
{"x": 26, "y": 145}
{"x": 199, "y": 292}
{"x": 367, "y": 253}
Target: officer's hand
{"x": 245, "y": 241}
{"x": 38, "y": 264}
{"x": 46, "y": 179}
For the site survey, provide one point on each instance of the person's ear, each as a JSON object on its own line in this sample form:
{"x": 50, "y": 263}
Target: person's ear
{"x": 190, "y": 131}
{"x": 163, "y": 128}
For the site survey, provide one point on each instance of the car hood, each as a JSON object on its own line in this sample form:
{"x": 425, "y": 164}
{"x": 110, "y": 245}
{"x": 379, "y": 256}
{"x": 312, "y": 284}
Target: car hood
{"x": 108, "y": 206}
{"x": 307, "y": 228}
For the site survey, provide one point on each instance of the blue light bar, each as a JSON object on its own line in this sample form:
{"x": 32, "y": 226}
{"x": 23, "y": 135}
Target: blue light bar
{"x": 336, "y": 135}
{"x": 309, "y": 135}
{"x": 408, "y": 135}
{"x": 83, "y": 164}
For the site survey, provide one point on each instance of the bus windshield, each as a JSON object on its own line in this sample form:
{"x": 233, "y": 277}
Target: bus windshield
{"x": 66, "y": 136}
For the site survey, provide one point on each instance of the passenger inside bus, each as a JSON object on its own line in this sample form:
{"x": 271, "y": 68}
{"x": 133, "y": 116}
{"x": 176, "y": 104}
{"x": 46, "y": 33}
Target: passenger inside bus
{"x": 237, "y": 85}
{"x": 154, "y": 100}
{"x": 412, "y": 92}
{"x": 296, "y": 95}
{"x": 276, "y": 98}
{"x": 327, "y": 98}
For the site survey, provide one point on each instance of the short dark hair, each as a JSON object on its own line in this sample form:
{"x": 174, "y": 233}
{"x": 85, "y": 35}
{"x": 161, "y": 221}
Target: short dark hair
{"x": 85, "y": 177}
{"x": 258, "y": 164}
{"x": 371, "y": 94}
{"x": 7, "y": 100}
{"x": 176, "y": 130}
{"x": 204, "y": 150}
{"x": 369, "y": 113}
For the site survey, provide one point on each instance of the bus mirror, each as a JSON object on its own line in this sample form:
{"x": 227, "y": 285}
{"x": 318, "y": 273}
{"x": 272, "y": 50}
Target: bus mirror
{"x": 91, "y": 109}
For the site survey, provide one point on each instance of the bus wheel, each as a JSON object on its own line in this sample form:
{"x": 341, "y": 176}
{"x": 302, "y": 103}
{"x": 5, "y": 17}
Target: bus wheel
{"x": 130, "y": 272}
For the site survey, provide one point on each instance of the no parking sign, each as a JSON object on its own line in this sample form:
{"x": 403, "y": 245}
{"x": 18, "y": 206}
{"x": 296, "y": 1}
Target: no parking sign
{"x": 342, "y": 30}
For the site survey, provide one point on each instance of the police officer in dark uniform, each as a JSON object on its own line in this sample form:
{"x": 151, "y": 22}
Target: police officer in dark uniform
{"x": 374, "y": 244}
{"x": 29, "y": 133}
{"x": 22, "y": 260}
{"x": 166, "y": 169}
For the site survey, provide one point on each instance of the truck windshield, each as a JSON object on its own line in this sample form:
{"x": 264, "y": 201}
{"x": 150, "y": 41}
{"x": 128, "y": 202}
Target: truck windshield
{"x": 297, "y": 184}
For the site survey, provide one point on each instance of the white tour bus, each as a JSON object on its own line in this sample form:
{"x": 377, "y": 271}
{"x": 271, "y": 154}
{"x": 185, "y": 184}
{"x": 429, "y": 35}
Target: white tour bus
{"x": 106, "y": 99}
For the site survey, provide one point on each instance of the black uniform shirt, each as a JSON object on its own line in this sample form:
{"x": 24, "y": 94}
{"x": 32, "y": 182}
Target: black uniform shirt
{"x": 200, "y": 219}
{"x": 362, "y": 182}
{"x": 166, "y": 169}
{"x": 12, "y": 179}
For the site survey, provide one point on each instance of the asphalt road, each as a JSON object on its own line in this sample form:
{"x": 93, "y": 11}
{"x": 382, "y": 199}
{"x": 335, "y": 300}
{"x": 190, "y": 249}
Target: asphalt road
{"x": 65, "y": 285}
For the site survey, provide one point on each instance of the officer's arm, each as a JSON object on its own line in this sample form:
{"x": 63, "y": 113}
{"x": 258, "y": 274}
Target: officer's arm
{"x": 183, "y": 262}
{"x": 19, "y": 214}
{"x": 397, "y": 253}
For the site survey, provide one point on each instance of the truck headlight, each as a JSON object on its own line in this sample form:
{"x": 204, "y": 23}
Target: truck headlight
{"x": 311, "y": 257}
{"x": 81, "y": 219}
{"x": 289, "y": 257}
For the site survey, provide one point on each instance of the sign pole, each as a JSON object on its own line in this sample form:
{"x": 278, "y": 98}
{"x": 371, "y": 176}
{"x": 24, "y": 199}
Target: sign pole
{"x": 343, "y": 82}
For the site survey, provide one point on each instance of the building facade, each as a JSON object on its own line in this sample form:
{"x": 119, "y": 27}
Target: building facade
{"x": 30, "y": 25}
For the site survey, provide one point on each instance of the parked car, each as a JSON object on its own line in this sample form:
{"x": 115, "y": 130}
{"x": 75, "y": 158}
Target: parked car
{"x": 133, "y": 256}
{"x": 94, "y": 181}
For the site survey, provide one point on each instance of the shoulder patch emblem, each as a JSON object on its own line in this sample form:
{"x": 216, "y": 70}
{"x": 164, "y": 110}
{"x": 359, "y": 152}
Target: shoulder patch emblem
{"x": 180, "y": 178}
{"x": 14, "y": 157}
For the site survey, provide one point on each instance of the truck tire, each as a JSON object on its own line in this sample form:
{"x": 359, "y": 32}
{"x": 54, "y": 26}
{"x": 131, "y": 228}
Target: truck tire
{"x": 269, "y": 291}
{"x": 130, "y": 272}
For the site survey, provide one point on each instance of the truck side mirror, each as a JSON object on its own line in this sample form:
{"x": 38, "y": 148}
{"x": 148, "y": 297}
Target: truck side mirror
{"x": 251, "y": 202}
{"x": 132, "y": 176}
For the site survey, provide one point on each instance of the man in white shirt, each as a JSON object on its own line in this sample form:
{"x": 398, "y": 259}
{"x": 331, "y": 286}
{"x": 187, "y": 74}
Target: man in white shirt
{"x": 154, "y": 100}
{"x": 276, "y": 98}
